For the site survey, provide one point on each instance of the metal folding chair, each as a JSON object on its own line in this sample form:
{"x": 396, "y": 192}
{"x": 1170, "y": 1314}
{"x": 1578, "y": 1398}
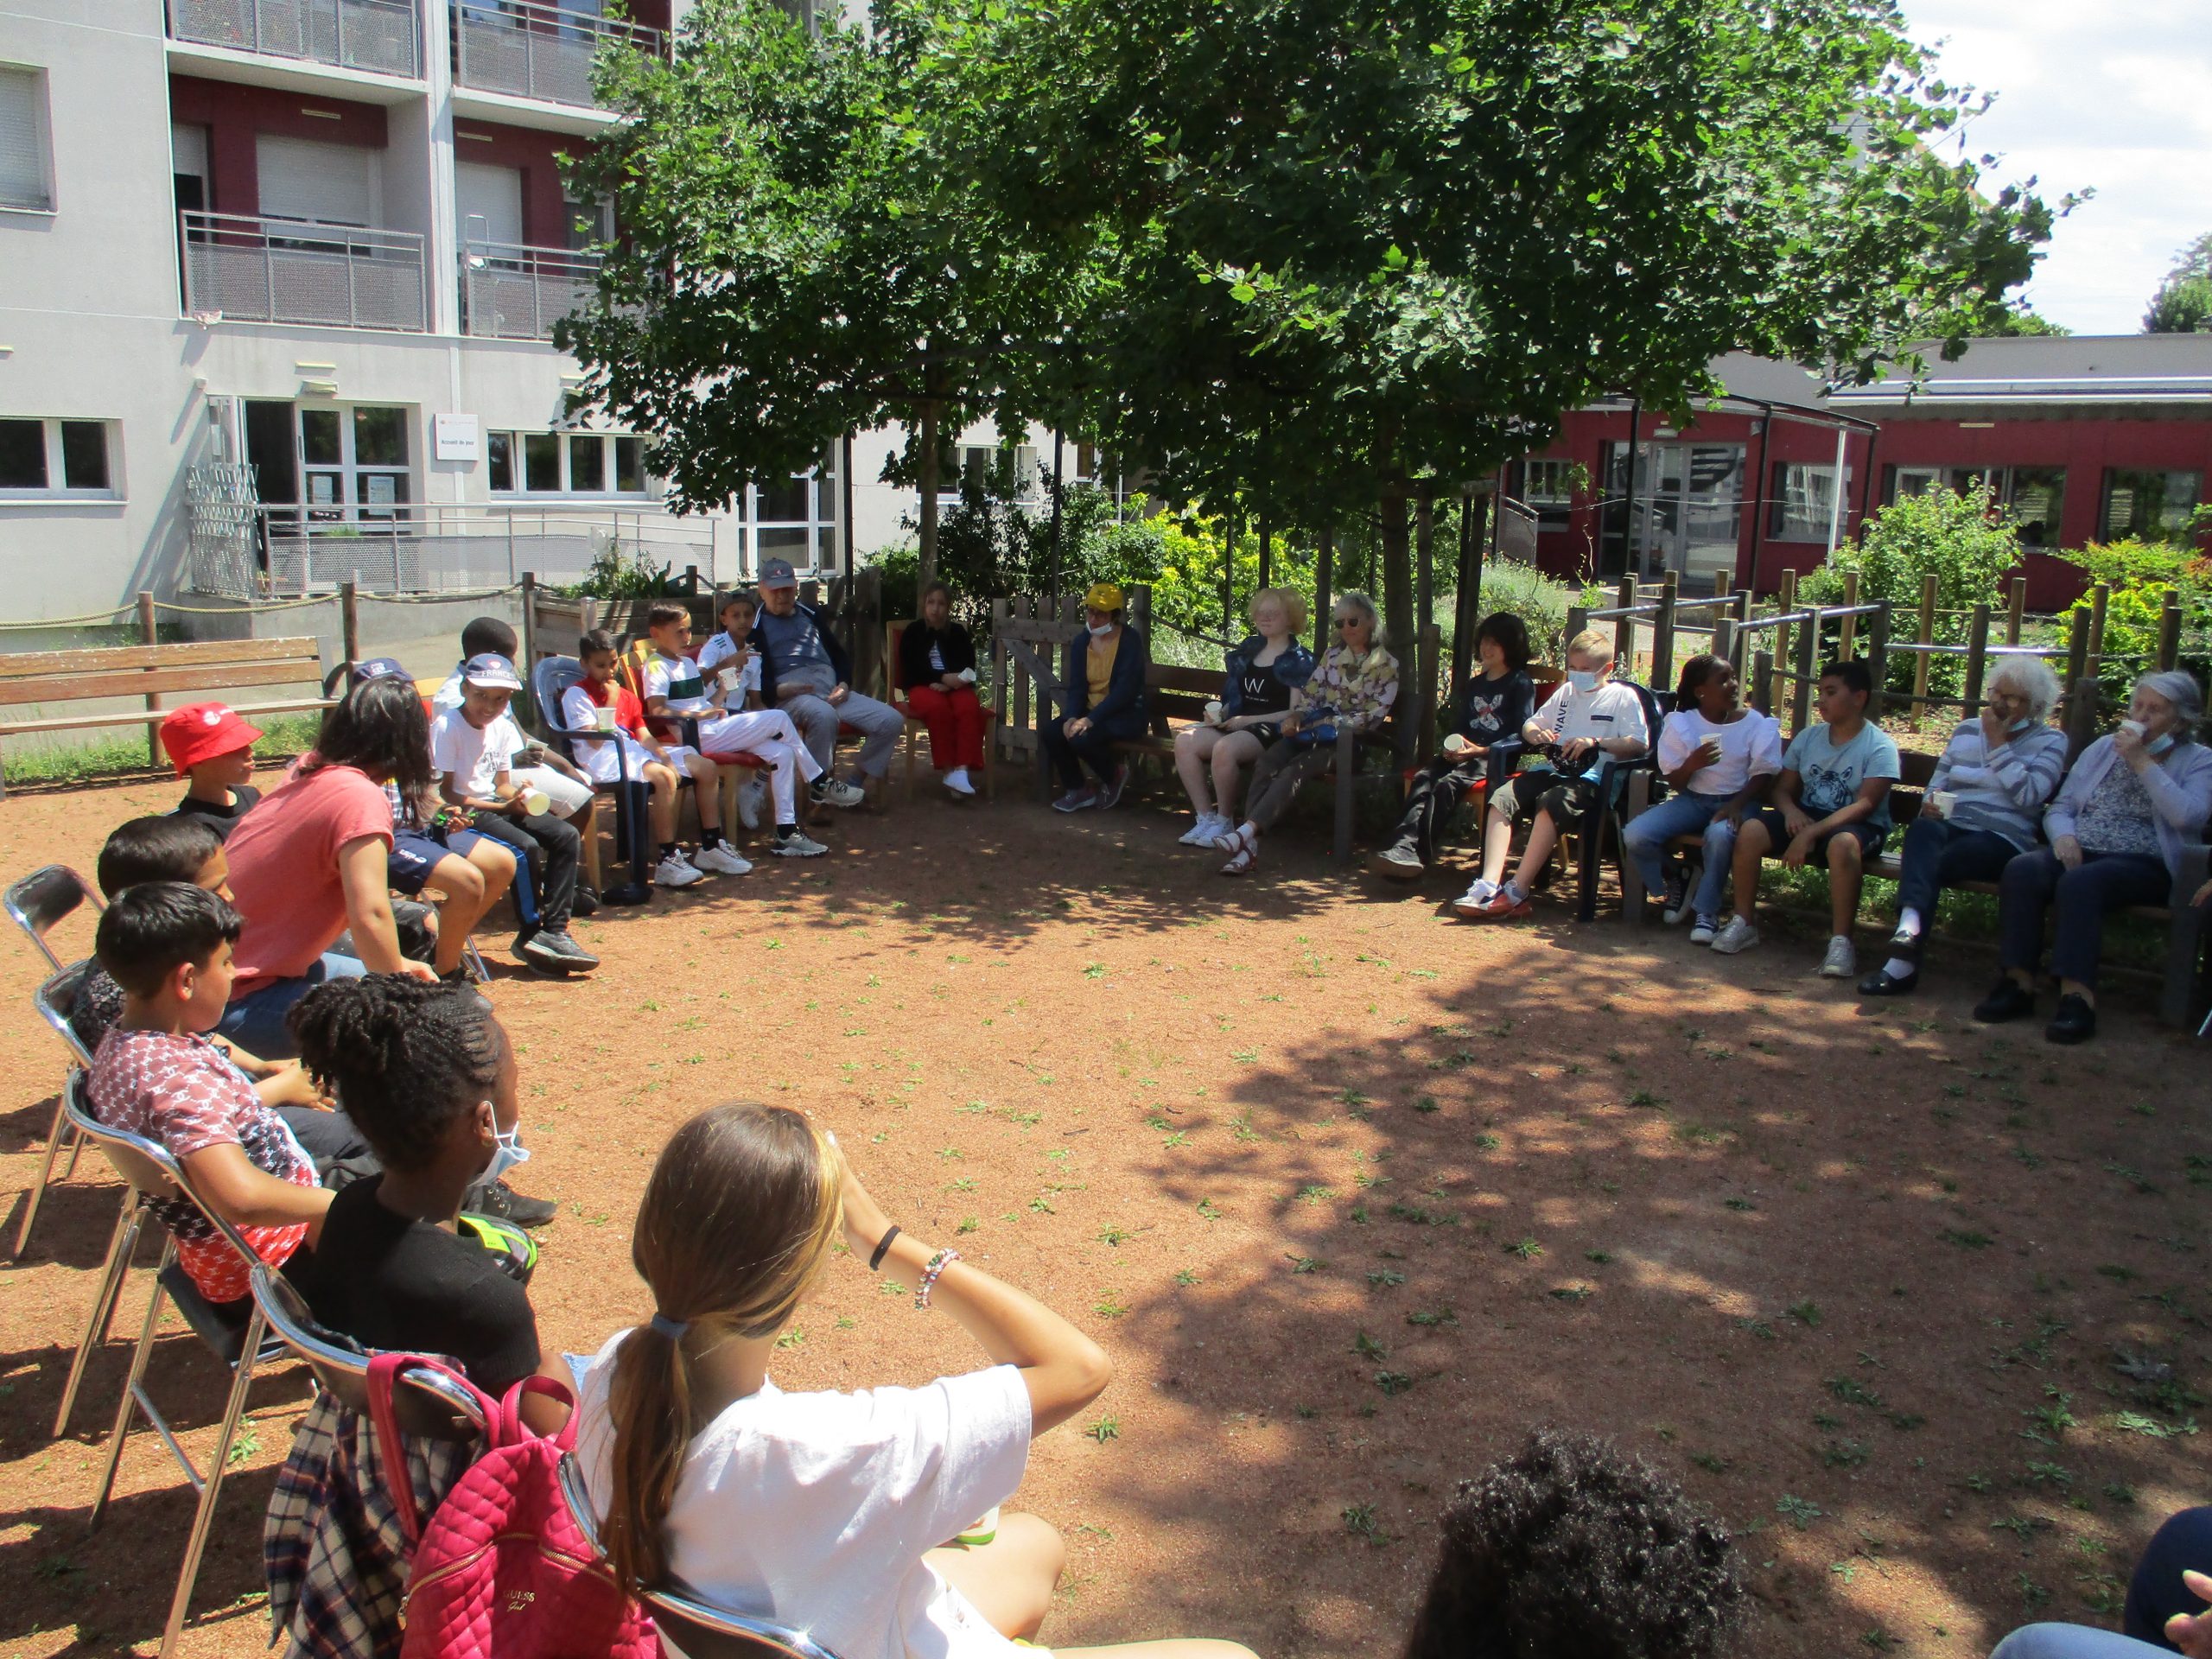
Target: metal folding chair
{"x": 56, "y": 1000}
{"x": 241, "y": 1344}
{"x": 36, "y": 902}
{"x": 701, "y": 1631}
{"x": 427, "y": 1402}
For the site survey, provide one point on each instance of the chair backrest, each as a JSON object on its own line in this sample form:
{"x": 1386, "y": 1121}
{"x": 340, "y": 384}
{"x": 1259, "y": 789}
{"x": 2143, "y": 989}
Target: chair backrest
{"x": 894, "y": 633}
{"x": 701, "y": 1631}
{"x": 57, "y": 1001}
{"x": 40, "y": 900}
{"x": 147, "y": 1165}
{"x": 549, "y": 680}
{"x": 426, "y": 1403}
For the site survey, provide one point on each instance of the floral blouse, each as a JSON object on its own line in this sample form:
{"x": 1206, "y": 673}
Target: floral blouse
{"x": 1360, "y": 695}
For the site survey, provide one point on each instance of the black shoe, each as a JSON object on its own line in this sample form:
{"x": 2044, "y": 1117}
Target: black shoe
{"x": 1401, "y": 862}
{"x": 2006, "y": 1001}
{"x": 1112, "y": 792}
{"x": 587, "y": 901}
{"x": 572, "y": 955}
{"x": 2076, "y": 1022}
{"x": 1883, "y": 982}
{"x": 630, "y": 893}
{"x": 502, "y": 1202}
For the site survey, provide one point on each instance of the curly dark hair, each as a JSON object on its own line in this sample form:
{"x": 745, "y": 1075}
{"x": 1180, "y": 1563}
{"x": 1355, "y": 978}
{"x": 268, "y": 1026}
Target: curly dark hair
{"x": 381, "y": 728}
{"x": 1573, "y": 1550}
{"x": 406, "y": 1058}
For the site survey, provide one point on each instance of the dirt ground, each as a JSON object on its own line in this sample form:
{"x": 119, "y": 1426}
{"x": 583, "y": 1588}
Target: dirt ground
{"x": 1353, "y": 1195}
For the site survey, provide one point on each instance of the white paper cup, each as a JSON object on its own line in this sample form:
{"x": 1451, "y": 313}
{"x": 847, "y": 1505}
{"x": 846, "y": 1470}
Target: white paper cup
{"x": 537, "y": 803}
{"x": 1215, "y": 709}
{"x": 1943, "y": 802}
{"x": 1457, "y": 743}
{"x": 729, "y": 678}
{"x": 606, "y": 717}
{"x": 969, "y": 675}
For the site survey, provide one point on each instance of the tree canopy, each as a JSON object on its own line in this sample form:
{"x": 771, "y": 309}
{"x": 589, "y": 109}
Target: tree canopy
{"x": 2184, "y": 302}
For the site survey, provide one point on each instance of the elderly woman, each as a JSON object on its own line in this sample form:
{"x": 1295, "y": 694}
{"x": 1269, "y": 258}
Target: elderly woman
{"x": 1103, "y": 704}
{"x": 1263, "y": 671}
{"x": 1984, "y": 808}
{"x": 2118, "y": 828}
{"x": 1350, "y": 691}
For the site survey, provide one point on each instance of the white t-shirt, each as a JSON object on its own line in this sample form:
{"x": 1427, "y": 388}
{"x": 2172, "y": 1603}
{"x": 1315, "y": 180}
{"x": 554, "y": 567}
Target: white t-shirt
{"x": 1750, "y": 748}
{"x": 815, "y": 1510}
{"x": 1612, "y": 710}
{"x": 681, "y": 682}
{"x": 454, "y": 692}
{"x": 720, "y": 648}
{"x": 474, "y": 757}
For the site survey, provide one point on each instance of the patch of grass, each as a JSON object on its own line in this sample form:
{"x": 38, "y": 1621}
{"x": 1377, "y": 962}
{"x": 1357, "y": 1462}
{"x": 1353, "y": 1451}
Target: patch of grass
{"x": 1424, "y": 1103}
{"x": 1965, "y": 1241}
{"x": 1571, "y": 1293}
{"x": 1800, "y": 1512}
{"x": 1487, "y": 1143}
{"x": 1431, "y": 1316}
{"x": 1527, "y": 1248}
{"x": 1109, "y": 1306}
{"x": 1305, "y": 1263}
{"x": 1105, "y": 1429}
{"x": 1185, "y": 1277}
{"x": 1367, "y": 1348}
{"x": 1393, "y": 1383}
{"x": 1385, "y": 1277}
{"x": 1359, "y": 1522}
{"x": 1316, "y": 1194}
{"x": 1807, "y": 1312}
{"x": 1600, "y": 1256}
{"x": 1843, "y": 1455}
{"x": 1113, "y": 1236}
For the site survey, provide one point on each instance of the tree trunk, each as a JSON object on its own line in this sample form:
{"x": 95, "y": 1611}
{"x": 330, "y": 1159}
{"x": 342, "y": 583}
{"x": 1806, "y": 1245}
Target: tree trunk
{"x": 1398, "y": 620}
{"x": 930, "y": 470}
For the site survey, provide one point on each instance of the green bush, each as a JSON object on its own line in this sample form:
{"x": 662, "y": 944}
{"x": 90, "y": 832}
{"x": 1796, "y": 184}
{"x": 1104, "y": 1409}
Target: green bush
{"x": 2141, "y": 574}
{"x": 614, "y": 575}
{"x": 1540, "y": 602}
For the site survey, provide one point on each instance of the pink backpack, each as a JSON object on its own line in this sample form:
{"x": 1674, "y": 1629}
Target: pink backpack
{"x": 503, "y": 1571}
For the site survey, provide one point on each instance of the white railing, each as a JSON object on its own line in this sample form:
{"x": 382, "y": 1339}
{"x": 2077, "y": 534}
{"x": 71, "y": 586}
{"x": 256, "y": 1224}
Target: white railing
{"x": 381, "y": 37}
{"x": 528, "y": 49}
{"x": 252, "y": 270}
{"x": 512, "y": 292}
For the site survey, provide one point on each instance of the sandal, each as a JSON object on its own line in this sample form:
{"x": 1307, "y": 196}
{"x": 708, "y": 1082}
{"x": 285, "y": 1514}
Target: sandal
{"x": 1235, "y": 840}
{"x": 1241, "y": 864}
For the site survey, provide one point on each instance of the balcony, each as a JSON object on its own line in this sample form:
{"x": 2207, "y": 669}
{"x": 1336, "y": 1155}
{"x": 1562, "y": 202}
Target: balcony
{"x": 378, "y": 37}
{"x": 527, "y": 48}
{"x": 509, "y": 292}
{"x": 244, "y": 269}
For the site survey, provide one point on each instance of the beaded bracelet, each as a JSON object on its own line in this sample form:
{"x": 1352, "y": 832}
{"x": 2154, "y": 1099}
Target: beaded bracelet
{"x": 937, "y": 1264}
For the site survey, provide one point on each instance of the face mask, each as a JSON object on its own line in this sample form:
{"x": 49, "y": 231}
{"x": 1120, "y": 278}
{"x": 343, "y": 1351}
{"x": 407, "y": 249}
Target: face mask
{"x": 2157, "y": 746}
{"x": 507, "y": 1151}
{"x": 1582, "y": 679}
{"x": 1101, "y": 631}
{"x": 2023, "y": 723}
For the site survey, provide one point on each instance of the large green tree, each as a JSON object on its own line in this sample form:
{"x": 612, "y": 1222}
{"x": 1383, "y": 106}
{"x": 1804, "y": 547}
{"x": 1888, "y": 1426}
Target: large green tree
{"x": 2184, "y": 302}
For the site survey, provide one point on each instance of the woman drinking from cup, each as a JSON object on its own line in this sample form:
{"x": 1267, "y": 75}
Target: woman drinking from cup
{"x": 936, "y": 666}
{"x": 1263, "y": 671}
{"x": 1984, "y": 807}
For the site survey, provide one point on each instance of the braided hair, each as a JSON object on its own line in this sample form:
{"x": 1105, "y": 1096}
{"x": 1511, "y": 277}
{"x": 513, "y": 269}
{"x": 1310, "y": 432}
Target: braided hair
{"x": 406, "y": 1058}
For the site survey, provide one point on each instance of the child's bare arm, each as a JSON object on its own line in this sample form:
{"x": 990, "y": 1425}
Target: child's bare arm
{"x": 247, "y": 1196}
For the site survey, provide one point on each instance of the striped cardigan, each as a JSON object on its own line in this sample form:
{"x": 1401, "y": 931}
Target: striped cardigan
{"x": 2003, "y": 793}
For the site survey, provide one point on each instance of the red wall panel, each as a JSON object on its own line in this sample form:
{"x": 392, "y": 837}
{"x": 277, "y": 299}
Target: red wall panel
{"x": 235, "y": 116}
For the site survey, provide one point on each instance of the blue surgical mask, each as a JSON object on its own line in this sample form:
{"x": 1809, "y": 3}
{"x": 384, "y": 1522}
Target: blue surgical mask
{"x": 507, "y": 1151}
{"x": 2023, "y": 723}
{"x": 1100, "y": 632}
{"x": 1582, "y": 679}
{"x": 2159, "y": 745}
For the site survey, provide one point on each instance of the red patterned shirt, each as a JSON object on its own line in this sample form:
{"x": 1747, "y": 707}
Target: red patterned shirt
{"x": 181, "y": 1091}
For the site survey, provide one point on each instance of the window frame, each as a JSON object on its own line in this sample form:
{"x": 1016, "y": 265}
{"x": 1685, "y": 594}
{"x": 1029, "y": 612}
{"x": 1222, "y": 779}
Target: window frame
{"x": 2113, "y": 484}
{"x": 509, "y": 447}
{"x": 56, "y": 488}
{"x": 1778, "y": 517}
{"x": 41, "y": 78}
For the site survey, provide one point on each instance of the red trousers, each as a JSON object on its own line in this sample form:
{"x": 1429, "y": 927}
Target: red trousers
{"x": 956, "y": 722}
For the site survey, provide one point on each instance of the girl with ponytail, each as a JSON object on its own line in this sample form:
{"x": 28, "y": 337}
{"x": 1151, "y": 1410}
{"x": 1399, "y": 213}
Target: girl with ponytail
{"x": 825, "y": 1512}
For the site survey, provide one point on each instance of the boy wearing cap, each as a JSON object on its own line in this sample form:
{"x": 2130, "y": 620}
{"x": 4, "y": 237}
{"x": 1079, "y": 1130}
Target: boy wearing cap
{"x": 541, "y": 769}
{"x": 1102, "y": 703}
{"x": 472, "y": 751}
{"x": 212, "y": 748}
{"x": 806, "y": 673}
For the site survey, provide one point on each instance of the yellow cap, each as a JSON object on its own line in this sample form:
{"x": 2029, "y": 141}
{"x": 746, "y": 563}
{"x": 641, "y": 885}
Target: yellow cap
{"x": 1102, "y": 596}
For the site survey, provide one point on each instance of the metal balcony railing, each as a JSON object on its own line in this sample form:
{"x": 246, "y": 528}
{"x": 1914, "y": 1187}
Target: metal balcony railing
{"x": 511, "y": 292}
{"x": 382, "y": 37}
{"x": 528, "y": 49}
{"x": 286, "y": 270}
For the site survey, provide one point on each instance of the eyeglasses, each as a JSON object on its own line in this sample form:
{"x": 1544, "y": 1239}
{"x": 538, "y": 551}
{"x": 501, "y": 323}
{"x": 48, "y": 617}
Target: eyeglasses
{"x": 1349, "y": 621}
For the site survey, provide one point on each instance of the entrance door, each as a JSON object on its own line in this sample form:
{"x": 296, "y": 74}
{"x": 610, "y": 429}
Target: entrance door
{"x": 1689, "y": 510}
{"x": 355, "y": 464}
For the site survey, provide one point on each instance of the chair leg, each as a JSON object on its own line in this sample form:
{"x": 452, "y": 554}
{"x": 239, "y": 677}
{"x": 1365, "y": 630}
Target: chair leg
{"x": 592, "y": 866}
{"x": 76, "y": 1149}
{"x": 203, "y": 1518}
{"x": 474, "y": 958}
{"x": 37, "y": 1194}
{"x": 120, "y": 1246}
{"x": 130, "y": 1388}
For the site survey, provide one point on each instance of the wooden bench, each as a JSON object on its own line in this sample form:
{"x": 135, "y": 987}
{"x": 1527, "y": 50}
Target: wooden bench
{"x": 191, "y": 672}
{"x": 2185, "y": 922}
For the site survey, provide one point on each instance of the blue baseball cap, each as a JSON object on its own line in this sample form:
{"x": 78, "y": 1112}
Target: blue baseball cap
{"x": 777, "y": 573}
{"x": 376, "y": 668}
{"x": 491, "y": 669}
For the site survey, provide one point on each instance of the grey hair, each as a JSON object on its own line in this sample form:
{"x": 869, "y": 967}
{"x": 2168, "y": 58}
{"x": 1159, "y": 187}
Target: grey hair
{"x": 1365, "y": 606}
{"x": 2032, "y": 679}
{"x": 2179, "y": 687}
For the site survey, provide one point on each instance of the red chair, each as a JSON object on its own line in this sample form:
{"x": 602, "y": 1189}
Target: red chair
{"x": 917, "y": 729}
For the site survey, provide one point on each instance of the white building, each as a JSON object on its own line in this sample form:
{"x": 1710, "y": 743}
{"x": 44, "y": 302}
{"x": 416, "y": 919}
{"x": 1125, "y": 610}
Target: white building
{"x": 326, "y": 239}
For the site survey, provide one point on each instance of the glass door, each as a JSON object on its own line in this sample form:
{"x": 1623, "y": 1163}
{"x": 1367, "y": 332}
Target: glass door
{"x": 1687, "y": 514}
{"x": 353, "y": 463}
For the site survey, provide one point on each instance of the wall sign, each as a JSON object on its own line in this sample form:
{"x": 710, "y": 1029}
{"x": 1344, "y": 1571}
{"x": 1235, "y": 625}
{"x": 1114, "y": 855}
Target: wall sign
{"x": 456, "y": 437}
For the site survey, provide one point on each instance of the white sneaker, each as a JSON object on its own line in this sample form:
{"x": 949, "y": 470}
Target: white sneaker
{"x": 1476, "y": 898}
{"x": 836, "y": 792}
{"x": 1738, "y": 935}
{"x": 1203, "y": 833}
{"x": 796, "y": 843}
{"x": 1841, "y": 961}
{"x": 720, "y": 861}
{"x": 1703, "y": 929}
{"x": 675, "y": 871}
{"x": 750, "y": 794}
{"x": 957, "y": 781}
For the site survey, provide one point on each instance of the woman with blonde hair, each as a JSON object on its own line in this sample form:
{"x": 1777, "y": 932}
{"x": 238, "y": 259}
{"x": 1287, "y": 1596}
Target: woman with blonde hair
{"x": 1264, "y": 671}
{"x": 824, "y": 1511}
{"x": 1350, "y": 691}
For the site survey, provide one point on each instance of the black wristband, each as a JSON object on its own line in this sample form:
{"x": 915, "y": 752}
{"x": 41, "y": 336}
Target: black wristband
{"x": 883, "y": 1247}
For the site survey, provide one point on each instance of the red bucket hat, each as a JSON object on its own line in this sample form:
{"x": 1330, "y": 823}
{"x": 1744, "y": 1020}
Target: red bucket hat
{"x": 201, "y": 731}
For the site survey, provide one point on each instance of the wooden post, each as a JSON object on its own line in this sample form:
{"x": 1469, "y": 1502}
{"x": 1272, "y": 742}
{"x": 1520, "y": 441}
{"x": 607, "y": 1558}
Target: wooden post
{"x": 1624, "y": 629}
{"x": 1847, "y": 633}
{"x": 2169, "y": 632}
{"x": 1763, "y": 681}
{"x": 1431, "y": 649}
{"x": 2016, "y": 610}
{"x": 999, "y": 619}
{"x": 149, "y": 636}
{"x": 1662, "y": 633}
{"x": 2081, "y": 716}
{"x": 1578, "y": 619}
{"x": 349, "y": 630}
{"x": 1425, "y": 557}
{"x": 1925, "y": 635}
{"x": 1878, "y": 658}
{"x": 2100, "y": 597}
{"x": 1786, "y": 596}
{"x": 1324, "y": 561}
{"x": 529, "y": 621}
{"x": 1724, "y": 636}
{"x": 1977, "y": 658}
{"x": 1801, "y": 693}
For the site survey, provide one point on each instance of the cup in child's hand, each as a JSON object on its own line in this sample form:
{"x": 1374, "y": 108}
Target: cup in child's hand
{"x": 537, "y": 803}
{"x": 730, "y": 677}
{"x": 1457, "y": 743}
{"x": 1215, "y": 709}
{"x": 967, "y": 674}
{"x": 605, "y": 718}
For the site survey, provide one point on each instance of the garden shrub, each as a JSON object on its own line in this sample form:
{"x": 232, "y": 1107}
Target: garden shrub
{"x": 2141, "y": 574}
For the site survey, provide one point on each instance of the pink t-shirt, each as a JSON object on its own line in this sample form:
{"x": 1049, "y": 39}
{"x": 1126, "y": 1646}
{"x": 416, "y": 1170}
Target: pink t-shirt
{"x": 285, "y": 873}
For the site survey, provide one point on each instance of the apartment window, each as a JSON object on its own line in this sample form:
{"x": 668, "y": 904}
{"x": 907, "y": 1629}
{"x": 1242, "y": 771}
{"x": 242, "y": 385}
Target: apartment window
{"x": 797, "y": 519}
{"x": 2154, "y": 506}
{"x": 1548, "y": 483}
{"x": 1802, "y": 503}
{"x": 2038, "y": 498}
{"x": 499, "y": 458}
{"x": 540, "y": 462}
{"x": 570, "y": 463}
{"x": 26, "y": 158}
{"x": 52, "y": 459}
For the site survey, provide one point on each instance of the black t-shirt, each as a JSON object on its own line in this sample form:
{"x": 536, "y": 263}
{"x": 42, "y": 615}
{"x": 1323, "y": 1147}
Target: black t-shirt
{"x": 390, "y": 1281}
{"x": 1264, "y": 691}
{"x": 1498, "y": 709}
{"x": 220, "y": 818}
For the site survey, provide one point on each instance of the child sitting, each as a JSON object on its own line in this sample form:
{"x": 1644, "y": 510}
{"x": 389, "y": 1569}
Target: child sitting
{"x": 634, "y": 753}
{"x": 472, "y": 751}
{"x": 1587, "y": 717}
{"x": 157, "y": 1076}
{"x": 675, "y": 691}
{"x": 540, "y": 768}
{"x": 213, "y": 748}
{"x": 729, "y": 650}
{"x": 1719, "y": 758}
{"x": 1572, "y": 1550}
{"x": 1831, "y": 807}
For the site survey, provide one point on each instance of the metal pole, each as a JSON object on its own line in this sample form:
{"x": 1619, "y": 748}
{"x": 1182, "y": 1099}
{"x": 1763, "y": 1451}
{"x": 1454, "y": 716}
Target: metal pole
{"x": 1835, "y": 494}
{"x": 1628, "y": 520}
{"x": 149, "y": 636}
{"x": 1758, "y": 505}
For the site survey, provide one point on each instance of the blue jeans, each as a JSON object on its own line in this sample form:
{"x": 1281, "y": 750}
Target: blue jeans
{"x": 1684, "y": 814}
{"x": 2072, "y": 1642}
{"x": 255, "y": 1021}
{"x": 2103, "y": 882}
{"x": 1938, "y": 853}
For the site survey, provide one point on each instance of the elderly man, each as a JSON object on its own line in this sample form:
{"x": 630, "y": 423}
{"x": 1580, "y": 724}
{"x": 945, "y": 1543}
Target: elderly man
{"x": 805, "y": 672}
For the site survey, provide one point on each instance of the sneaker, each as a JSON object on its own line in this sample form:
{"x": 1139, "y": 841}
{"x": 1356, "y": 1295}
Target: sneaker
{"x": 571, "y": 954}
{"x": 1470, "y": 904}
{"x": 1076, "y": 799}
{"x": 791, "y": 842}
{"x": 587, "y": 901}
{"x": 502, "y": 1202}
{"x": 677, "y": 871}
{"x": 957, "y": 781}
{"x": 1112, "y": 793}
{"x": 718, "y": 859}
{"x": 1507, "y": 904}
{"x": 630, "y": 893}
{"x": 2075, "y": 1022}
{"x": 836, "y": 792}
{"x": 1202, "y": 833}
{"x": 750, "y": 794}
{"x": 2007, "y": 999}
{"x": 1703, "y": 929}
{"x": 1675, "y": 907}
{"x": 1738, "y": 935}
{"x": 1841, "y": 961}
{"x": 1400, "y": 862}
{"x": 539, "y": 951}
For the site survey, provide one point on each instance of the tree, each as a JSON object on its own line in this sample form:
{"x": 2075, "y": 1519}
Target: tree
{"x": 2024, "y": 318}
{"x": 2182, "y": 304}
{"x": 798, "y": 261}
